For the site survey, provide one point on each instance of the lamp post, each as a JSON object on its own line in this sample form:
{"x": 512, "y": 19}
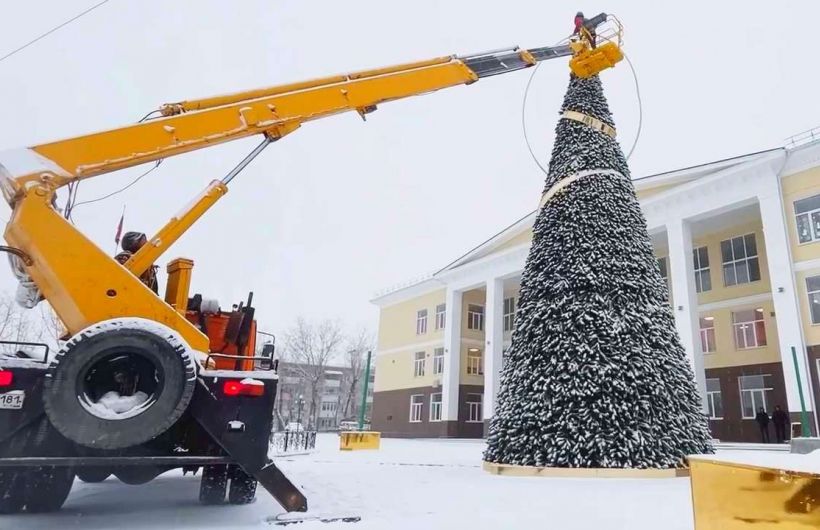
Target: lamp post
{"x": 299, "y": 403}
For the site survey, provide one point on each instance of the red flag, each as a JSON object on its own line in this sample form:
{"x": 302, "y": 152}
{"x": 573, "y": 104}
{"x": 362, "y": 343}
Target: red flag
{"x": 119, "y": 227}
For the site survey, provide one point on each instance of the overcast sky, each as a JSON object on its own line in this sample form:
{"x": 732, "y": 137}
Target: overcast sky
{"x": 341, "y": 208}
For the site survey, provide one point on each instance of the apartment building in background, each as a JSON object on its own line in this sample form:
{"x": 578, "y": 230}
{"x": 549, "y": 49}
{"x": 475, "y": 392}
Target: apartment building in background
{"x": 738, "y": 241}
{"x": 336, "y": 399}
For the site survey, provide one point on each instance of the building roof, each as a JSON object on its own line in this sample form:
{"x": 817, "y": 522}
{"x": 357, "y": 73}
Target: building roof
{"x": 673, "y": 177}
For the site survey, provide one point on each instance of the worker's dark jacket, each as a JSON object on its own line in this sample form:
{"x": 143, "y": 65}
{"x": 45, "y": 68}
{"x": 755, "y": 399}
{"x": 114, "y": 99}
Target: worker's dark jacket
{"x": 779, "y": 417}
{"x": 762, "y": 419}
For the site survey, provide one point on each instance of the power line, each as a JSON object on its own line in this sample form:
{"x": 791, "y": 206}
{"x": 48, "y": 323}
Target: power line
{"x": 121, "y": 189}
{"x": 52, "y": 30}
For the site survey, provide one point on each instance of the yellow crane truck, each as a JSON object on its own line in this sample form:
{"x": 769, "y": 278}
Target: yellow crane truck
{"x": 142, "y": 383}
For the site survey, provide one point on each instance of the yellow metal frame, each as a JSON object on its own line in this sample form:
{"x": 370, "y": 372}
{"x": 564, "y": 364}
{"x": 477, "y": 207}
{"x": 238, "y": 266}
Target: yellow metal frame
{"x": 82, "y": 283}
{"x": 359, "y": 440}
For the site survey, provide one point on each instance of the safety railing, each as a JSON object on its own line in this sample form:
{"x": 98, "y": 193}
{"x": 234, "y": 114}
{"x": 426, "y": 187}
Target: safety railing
{"x": 292, "y": 442}
{"x": 802, "y": 138}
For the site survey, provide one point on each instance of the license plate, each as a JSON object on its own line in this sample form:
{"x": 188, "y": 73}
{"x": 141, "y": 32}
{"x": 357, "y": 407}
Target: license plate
{"x": 12, "y": 400}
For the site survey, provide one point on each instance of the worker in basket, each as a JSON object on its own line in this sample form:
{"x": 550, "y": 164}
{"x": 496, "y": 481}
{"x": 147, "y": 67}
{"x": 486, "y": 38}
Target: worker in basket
{"x": 582, "y": 31}
{"x": 131, "y": 243}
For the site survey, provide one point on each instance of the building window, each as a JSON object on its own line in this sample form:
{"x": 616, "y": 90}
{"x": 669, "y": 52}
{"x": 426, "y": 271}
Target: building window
{"x": 813, "y": 287}
{"x": 750, "y": 329}
{"x": 807, "y": 213}
{"x": 474, "y": 408}
{"x": 707, "y": 334}
{"x": 740, "y": 263}
{"x": 475, "y": 317}
{"x": 438, "y": 361}
{"x": 441, "y": 316}
{"x": 703, "y": 278}
{"x": 475, "y": 364}
{"x": 664, "y": 270}
{"x": 421, "y": 322}
{"x": 509, "y": 313}
{"x": 418, "y": 364}
{"x": 435, "y": 407}
{"x": 753, "y": 394}
{"x": 416, "y": 404}
{"x": 713, "y": 399}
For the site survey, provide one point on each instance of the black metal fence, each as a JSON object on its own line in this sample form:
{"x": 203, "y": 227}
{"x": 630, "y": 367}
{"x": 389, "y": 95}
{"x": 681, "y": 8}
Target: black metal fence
{"x": 285, "y": 442}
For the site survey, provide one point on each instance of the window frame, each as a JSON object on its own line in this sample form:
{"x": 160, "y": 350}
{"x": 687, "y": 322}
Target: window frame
{"x": 436, "y": 406}
{"x": 814, "y": 231}
{"x": 809, "y": 293}
{"x": 475, "y": 318}
{"x": 438, "y": 361}
{"x": 745, "y": 261}
{"x": 475, "y": 357}
{"x": 663, "y": 269}
{"x": 475, "y": 406}
{"x": 742, "y": 325}
{"x": 711, "y": 399}
{"x": 421, "y": 322}
{"x": 509, "y": 313}
{"x": 419, "y": 362}
{"x": 753, "y": 392}
{"x": 441, "y": 316}
{"x": 705, "y": 335}
{"x": 413, "y": 405}
{"x": 701, "y": 271}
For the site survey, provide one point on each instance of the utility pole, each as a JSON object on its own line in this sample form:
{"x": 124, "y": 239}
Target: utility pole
{"x": 364, "y": 390}
{"x": 804, "y": 416}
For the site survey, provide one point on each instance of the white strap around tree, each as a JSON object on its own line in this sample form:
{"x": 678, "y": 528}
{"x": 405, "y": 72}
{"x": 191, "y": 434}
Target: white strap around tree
{"x": 590, "y": 121}
{"x": 566, "y": 181}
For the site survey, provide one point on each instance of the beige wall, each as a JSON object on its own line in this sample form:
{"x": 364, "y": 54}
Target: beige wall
{"x": 727, "y": 353}
{"x": 397, "y": 323}
{"x": 796, "y": 187}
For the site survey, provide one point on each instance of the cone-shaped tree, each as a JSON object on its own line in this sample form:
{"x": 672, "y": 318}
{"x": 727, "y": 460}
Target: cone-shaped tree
{"x": 596, "y": 375}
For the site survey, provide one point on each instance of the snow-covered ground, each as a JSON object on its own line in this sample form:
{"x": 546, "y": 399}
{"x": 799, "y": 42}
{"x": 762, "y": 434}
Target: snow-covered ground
{"x": 408, "y": 484}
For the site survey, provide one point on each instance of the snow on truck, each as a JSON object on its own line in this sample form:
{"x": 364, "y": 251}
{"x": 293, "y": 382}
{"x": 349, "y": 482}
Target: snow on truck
{"x": 144, "y": 384}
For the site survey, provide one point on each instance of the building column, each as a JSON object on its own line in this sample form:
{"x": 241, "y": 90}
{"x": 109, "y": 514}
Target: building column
{"x": 494, "y": 344}
{"x": 687, "y": 319}
{"x": 784, "y": 299}
{"x": 452, "y": 362}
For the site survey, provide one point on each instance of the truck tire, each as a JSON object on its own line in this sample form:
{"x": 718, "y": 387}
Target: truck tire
{"x": 47, "y": 488}
{"x": 213, "y": 484}
{"x": 12, "y": 490}
{"x": 93, "y": 475}
{"x": 123, "y": 358}
{"x": 243, "y": 486}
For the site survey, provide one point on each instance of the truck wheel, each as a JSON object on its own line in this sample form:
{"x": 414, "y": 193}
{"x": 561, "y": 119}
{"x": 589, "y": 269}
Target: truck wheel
{"x": 119, "y": 384}
{"x": 12, "y": 490}
{"x": 243, "y": 486}
{"x": 213, "y": 485}
{"x": 47, "y": 488}
{"x": 92, "y": 475}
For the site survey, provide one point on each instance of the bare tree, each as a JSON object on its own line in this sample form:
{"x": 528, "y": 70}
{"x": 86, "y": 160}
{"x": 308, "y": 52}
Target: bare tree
{"x": 355, "y": 358}
{"x": 311, "y": 346}
{"x": 14, "y": 324}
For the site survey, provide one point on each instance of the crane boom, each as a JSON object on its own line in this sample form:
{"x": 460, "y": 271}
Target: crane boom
{"x": 85, "y": 286}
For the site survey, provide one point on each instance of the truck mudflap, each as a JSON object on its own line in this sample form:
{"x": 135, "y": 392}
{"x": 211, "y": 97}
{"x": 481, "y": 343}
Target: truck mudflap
{"x": 242, "y": 425}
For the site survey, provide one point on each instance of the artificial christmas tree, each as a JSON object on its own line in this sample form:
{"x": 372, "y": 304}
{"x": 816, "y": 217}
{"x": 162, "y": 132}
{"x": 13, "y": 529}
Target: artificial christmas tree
{"x": 596, "y": 375}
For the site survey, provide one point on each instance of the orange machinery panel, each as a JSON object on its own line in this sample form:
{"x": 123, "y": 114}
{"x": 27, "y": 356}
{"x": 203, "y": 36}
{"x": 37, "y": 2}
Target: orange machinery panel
{"x": 216, "y": 327}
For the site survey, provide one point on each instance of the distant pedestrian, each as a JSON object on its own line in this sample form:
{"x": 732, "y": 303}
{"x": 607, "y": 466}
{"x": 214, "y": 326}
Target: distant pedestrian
{"x": 762, "y": 420}
{"x": 781, "y": 420}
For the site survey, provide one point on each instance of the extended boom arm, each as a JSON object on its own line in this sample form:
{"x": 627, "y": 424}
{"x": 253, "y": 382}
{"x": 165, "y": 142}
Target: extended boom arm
{"x": 85, "y": 286}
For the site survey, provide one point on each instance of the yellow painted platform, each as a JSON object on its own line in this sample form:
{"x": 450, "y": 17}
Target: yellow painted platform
{"x": 734, "y": 496}
{"x": 581, "y": 472}
{"x": 356, "y": 440}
